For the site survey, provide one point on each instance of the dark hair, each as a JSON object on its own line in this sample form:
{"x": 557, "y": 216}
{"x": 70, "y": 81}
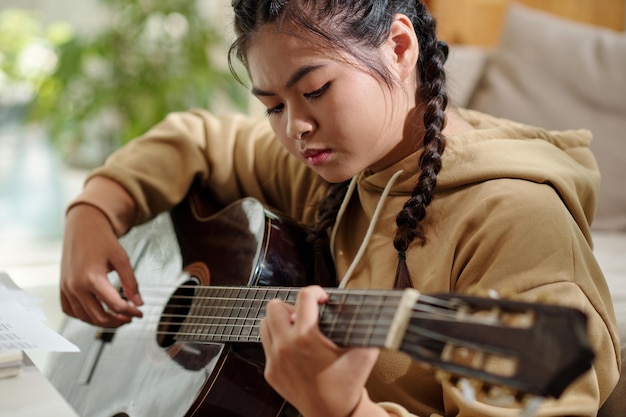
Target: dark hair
{"x": 359, "y": 28}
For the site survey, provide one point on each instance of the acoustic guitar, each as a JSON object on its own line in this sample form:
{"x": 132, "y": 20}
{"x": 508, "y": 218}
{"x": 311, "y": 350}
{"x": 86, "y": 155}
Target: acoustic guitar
{"x": 196, "y": 351}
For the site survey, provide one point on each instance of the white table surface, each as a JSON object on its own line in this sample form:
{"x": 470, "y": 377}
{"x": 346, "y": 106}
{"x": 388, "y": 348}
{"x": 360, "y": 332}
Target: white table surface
{"x": 30, "y": 394}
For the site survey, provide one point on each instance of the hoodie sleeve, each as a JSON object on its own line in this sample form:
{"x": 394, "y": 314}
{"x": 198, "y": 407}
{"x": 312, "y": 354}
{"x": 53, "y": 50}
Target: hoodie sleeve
{"x": 234, "y": 156}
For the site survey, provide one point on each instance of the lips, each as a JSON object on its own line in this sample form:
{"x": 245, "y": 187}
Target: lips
{"x": 311, "y": 153}
{"x": 315, "y": 156}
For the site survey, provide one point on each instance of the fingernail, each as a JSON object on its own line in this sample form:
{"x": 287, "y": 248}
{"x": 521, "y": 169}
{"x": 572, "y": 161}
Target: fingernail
{"x": 137, "y": 300}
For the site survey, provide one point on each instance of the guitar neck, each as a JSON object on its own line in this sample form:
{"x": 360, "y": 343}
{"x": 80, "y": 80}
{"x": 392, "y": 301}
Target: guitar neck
{"x": 466, "y": 336}
{"x": 349, "y": 318}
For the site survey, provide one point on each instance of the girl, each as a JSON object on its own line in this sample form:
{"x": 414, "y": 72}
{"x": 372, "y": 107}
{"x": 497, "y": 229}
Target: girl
{"x": 359, "y": 143}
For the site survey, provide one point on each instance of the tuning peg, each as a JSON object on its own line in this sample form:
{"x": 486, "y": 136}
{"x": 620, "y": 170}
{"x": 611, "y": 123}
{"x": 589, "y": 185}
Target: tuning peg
{"x": 499, "y": 396}
{"x": 467, "y": 390}
{"x": 467, "y": 387}
{"x": 531, "y": 406}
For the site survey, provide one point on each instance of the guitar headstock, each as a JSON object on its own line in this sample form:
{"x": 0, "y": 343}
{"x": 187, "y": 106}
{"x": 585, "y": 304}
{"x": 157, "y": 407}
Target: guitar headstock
{"x": 518, "y": 347}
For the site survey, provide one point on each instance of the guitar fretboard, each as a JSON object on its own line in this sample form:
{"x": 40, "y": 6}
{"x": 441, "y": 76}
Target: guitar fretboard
{"x": 233, "y": 314}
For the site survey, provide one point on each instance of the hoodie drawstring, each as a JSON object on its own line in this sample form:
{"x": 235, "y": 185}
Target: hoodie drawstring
{"x": 370, "y": 228}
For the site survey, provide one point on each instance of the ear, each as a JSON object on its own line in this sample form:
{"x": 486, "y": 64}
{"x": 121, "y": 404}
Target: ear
{"x": 403, "y": 46}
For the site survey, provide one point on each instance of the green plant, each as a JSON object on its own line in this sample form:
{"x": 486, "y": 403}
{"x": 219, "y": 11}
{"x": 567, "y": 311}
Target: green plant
{"x": 27, "y": 53}
{"x": 156, "y": 57}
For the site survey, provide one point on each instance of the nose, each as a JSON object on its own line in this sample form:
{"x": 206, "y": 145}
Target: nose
{"x": 298, "y": 125}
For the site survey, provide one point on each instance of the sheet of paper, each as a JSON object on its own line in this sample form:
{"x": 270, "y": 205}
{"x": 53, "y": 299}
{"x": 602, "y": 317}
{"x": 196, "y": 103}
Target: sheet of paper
{"x": 10, "y": 291}
{"x": 21, "y": 322}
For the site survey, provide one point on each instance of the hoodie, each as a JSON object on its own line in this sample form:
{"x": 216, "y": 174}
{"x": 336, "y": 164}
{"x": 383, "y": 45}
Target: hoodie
{"x": 511, "y": 213}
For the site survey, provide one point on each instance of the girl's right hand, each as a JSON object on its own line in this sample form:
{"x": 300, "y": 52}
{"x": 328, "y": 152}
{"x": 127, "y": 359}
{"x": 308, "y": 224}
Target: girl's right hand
{"x": 90, "y": 251}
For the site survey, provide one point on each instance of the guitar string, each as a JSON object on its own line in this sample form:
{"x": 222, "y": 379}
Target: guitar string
{"x": 359, "y": 329}
{"x": 151, "y": 290}
{"x": 444, "y": 308}
{"x": 360, "y": 334}
{"x": 425, "y": 314}
{"x": 431, "y": 305}
{"x": 419, "y": 311}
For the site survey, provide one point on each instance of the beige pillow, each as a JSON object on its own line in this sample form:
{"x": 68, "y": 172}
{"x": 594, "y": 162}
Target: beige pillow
{"x": 464, "y": 68}
{"x": 560, "y": 74}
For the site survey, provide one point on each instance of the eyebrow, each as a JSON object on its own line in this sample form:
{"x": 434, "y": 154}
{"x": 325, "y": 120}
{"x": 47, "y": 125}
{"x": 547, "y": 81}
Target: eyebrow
{"x": 297, "y": 76}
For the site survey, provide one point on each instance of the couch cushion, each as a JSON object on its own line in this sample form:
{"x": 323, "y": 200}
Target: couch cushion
{"x": 464, "y": 68}
{"x": 560, "y": 74}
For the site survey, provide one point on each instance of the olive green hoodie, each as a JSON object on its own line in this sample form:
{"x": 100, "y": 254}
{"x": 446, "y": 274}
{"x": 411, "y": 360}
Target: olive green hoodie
{"x": 511, "y": 212}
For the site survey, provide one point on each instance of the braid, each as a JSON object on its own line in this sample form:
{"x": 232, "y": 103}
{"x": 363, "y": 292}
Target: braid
{"x": 432, "y": 92}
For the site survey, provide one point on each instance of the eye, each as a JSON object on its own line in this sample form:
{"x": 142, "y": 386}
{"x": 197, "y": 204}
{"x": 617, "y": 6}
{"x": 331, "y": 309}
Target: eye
{"x": 319, "y": 92}
{"x": 274, "y": 110}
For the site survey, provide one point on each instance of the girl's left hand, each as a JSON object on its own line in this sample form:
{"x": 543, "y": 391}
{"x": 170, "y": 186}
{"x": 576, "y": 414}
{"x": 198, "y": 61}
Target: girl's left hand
{"x": 306, "y": 368}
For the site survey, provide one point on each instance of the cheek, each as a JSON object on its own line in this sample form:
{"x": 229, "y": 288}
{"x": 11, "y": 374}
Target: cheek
{"x": 290, "y": 145}
{"x": 364, "y": 105}
{"x": 279, "y": 130}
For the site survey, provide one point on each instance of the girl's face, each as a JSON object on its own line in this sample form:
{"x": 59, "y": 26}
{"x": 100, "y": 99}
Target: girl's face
{"x": 327, "y": 110}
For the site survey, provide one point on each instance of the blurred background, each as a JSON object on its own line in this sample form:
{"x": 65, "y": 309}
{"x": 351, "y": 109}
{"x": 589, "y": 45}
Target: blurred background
{"x": 80, "y": 78}
{"x": 77, "y": 80}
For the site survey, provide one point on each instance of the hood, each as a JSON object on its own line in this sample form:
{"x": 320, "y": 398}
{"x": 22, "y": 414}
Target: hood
{"x": 500, "y": 148}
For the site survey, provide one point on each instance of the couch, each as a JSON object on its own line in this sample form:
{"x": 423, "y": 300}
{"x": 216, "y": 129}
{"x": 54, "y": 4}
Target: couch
{"x": 560, "y": 74}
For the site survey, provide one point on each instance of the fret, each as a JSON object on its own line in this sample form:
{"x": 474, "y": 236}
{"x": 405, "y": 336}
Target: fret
{"x": 241, "y": 315}
{"x": 185, "y": 327}
{"x": 257, "y": 311}
{"x": 212, "y": 314}
{"x": 195, "y": 314}
{"x": 354, "y": 326}
{"x": 387, "y": 307}
{"x": 223, "y": 312}
{"x": 225, "y": 300}
{"x": 210, "y": 309}
{"x": 291, "y": 296}
{"x": 329, "y": 319}
{"x": 376, "y": 308}
{"x": 197, "y": 331}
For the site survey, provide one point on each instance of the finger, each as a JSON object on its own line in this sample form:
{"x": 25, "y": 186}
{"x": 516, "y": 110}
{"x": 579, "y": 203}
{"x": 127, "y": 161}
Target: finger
{"x": 266, "y": 337}
{"x": 73, "y": 306}
{"x": 81, "y": 308}
{"x": 106, "y": 294}
{"x": 127, "y": 277}
{"x": 278, "y": 317}
{"x": 365, "y": 355}
{"x": 67, "y": 306}
{"x": 99, "y": 315}
{"x": 307, "y": 307}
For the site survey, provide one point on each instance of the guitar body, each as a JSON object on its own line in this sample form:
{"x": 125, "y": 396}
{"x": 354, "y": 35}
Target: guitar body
{"x": 138, "y": 370}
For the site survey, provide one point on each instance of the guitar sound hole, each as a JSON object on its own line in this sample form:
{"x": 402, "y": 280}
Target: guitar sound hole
{"x": 174, "y": 314}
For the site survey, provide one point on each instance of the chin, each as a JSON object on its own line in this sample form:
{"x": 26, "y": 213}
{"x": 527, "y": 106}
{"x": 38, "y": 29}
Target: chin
{"x": 334, "y": 176}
